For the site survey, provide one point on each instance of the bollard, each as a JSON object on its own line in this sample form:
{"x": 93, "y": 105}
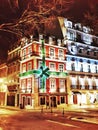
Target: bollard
{"x": 63, "y": 112}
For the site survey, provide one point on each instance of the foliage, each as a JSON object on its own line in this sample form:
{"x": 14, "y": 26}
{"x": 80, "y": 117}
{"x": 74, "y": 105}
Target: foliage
{"x": 36, "y": 15}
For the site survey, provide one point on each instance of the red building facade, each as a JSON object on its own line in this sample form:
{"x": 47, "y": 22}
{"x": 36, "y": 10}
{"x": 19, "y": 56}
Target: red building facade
{"x": 32, "y": 91}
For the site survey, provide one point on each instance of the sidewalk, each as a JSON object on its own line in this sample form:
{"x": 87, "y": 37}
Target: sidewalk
{"x": 65, "y": 108}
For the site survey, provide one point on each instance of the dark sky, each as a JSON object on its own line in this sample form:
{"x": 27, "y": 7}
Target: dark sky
{"x": 11, "y": 11}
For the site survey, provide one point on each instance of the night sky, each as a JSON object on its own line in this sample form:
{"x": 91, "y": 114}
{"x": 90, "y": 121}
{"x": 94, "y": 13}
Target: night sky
{"x": 11, "y": 11}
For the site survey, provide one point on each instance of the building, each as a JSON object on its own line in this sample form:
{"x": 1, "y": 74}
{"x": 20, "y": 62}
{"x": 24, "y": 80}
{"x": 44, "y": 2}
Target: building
{"x": 33, "y": 91}
{"x": 52, "y": 71}
{"x": 81, "y": 62}
{"x": 13, "y": 63}
{"x": 3, "y": 84}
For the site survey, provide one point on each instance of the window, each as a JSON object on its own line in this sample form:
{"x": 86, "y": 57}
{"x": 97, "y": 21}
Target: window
{"x": 24, "y": 53}
{"x": 61, "y": 54}
{"x": 52, "y": 53}
{"x": 40, "y": 51}
{"x": 23, "y": 85}
{"x": 39, "y": 64}
{"x": 28, "y": 101}
{"x": 52, "y": 66}
{"x": 52, "y": 85}
{"x": 24, "y": 68}
{"x": 62, "y": 99}
{"x": 73, "y": 66}
{"x": 80, "y": 50}
{"x": 29, "y": 86}
{"x": 62, "y": 85}
{"x": 42, "y": 100}
{"x": 29, "y": 66}
{"x": 89, "y": 70}
{"x": 61, "y": 67}
{"x": 29, "y": 50}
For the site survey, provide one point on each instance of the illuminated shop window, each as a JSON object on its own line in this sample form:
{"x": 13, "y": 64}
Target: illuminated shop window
{"x": 61, "y": 67}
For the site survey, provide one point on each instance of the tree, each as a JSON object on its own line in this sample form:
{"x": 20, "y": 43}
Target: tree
{"x": 91, "y": 17}
{"x": 36, "y": 15}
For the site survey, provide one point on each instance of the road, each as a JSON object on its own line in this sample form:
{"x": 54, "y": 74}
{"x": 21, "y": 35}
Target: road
{"x": 85, "y": 119}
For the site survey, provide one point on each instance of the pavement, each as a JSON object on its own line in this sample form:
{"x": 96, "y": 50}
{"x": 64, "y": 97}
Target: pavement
{"x": 75, "y": 108}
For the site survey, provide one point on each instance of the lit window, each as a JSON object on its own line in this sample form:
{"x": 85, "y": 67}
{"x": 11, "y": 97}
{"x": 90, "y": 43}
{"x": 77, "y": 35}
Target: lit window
{"x": 29, "y": 65}
{"x": 61, "y": 54}
{"x": 62, "y": 85}
{"x": 24, "y": 68}
{"x": 52, "y": 66}
{"x": 24, "y": 53}
{"x": 23, "y": 85}
{"x": 61, "y": 67}
{"x": 52, "y": 53}
{"x": 29, "y": 85}
{"x": 29, "y": 50}
{"x": 40, "y": 51}
{"x": 52, "y": 85}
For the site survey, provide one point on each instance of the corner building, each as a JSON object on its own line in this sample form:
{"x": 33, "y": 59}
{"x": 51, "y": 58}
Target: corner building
{"x": 32, "y": 92}
{"x": 81, "y": 62}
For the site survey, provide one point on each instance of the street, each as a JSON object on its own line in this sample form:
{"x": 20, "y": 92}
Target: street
{"x": 80, "y": 119}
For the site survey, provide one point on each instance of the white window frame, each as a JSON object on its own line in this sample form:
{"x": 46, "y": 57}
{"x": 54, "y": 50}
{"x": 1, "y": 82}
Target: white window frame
{"x": 24, "y": 53}
{"x": 59, "y": 68}
{"x": 61, "y": 54}
{"x": 23, "y": 85}
{"x": 29, "y": 66}
{"x": 52, "y": 85}
{"x": 24, "y": 68}
{"x": 62, "y": 85}
{"x": 29, "y": 85}
{"x": 52, "y": 55}
{"x": 51, "y": 64}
